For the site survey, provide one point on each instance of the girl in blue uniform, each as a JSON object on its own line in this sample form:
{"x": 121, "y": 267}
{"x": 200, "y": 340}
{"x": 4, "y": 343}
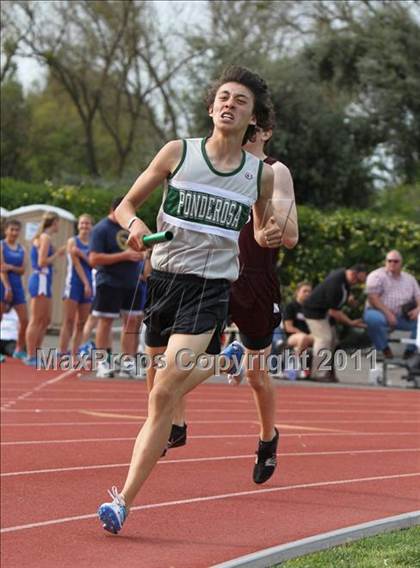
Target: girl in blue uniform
{"x": 12, "y": 294}
{"x": 78, "y": 290}
{"x": 40, "y": 283}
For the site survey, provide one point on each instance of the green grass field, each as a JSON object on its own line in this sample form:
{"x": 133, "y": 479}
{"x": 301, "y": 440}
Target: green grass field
{"x": 399, "y": 549}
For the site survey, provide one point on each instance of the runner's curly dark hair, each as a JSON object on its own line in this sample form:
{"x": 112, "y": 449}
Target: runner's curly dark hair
{"x": 263, "y": 106}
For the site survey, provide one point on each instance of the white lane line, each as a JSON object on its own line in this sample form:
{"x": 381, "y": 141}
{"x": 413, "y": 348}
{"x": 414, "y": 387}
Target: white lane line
{"x": 37, "y": 388}
{"x": 141, "y": 399}
{"x": 197, "y": 437}
{"x": 132, "y": 422}
{"x": 209, "y": 459}
{"x": 5, "y": 388}
{"x": 99, "y": 423}
{"x": 14, "y": 383}
{"x": 243, "y": 391}
{"x": 219, "y": 411}
{"x": 287, "y": 390}
{"x": 300, "y": 401}
{"x": 217, "y": 498}
{"x": 82, "y": 441}
{"x": 192, "y": 399}
{"x": 218, "y": 436}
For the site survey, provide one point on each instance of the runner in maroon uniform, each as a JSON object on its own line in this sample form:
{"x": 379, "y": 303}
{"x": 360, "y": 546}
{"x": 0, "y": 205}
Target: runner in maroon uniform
{"x": 255, "y": 304}
{"x": 255, "y": 296}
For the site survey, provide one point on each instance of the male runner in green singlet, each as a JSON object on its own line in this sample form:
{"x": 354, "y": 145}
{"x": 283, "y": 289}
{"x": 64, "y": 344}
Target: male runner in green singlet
{"x": 211, "y": 187}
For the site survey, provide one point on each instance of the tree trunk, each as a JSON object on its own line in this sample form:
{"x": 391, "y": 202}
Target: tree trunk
{"x": 91, "y": 161}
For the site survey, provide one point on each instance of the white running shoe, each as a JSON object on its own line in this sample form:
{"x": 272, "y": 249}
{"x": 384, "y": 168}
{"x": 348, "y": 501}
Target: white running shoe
{"x": 128, "y": 370}
{"x": 112, "y": 515}
{"x": 104, "y": 371}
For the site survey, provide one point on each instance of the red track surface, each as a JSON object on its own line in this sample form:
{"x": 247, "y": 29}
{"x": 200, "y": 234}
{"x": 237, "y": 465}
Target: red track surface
{"x": 346, "y": 456}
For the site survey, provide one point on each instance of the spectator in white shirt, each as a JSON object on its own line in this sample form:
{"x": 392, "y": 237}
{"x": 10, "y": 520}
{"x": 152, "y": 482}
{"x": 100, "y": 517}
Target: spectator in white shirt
{"x": 393, "y": 302}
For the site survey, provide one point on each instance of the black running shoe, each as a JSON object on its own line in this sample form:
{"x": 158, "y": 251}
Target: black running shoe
{"x": 266, "y": 461}
{"x": 177, "y": 437}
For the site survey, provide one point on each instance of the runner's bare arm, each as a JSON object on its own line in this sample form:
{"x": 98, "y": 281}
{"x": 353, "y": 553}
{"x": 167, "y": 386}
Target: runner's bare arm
{"x": 44, "y": 244}
{"x": 266, "y": 232}
{"x": 5, "y": 268}
{"x": 3, "y": 273}
{"x": 73, "y": 251}
{"x": 284, "y": 205}
{"x": 24, "y": 262}
{"x": 162, "y": 165}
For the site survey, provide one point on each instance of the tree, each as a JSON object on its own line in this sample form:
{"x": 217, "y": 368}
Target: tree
{"x": 390, "y": 86}
{"x": 55, "y": 135}
{"x": 140, "y": 85}
{"x": 54, "y": 140}
{"x": 113, "y": 62}
{"x": 78, "y": 41}
{"x": 341, "y": 90}
{"x": 315, "y": 139}
{"x": 11, "y": 38}
{"x": 15, "y": 117}
{"x": 371, "y": 49}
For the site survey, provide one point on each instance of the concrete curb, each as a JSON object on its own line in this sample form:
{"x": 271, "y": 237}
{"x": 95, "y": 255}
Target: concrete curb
{"x": 270, "y": 556}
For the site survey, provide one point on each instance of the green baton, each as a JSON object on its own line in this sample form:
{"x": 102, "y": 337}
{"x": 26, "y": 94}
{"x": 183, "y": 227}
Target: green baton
{"x": 154, "y": 238}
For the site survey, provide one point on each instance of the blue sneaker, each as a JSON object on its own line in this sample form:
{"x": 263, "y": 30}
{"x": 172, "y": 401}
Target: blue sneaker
{"x": 87, "y": 348}
{"x": 2, "y": 358}
{"x": 112, "y": 515}
{"x": 235, "y": 351}
{"x": 291, "y": 374}
{"x": 30, "y": 361}
{"x": 19, "y": 355}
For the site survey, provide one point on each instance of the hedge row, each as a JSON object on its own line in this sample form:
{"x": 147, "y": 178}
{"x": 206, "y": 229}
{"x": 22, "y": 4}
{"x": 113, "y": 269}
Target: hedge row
{"x": 78, "y": 200}
{"x": 343, "y": 238}
{"x": 327, "y": 240}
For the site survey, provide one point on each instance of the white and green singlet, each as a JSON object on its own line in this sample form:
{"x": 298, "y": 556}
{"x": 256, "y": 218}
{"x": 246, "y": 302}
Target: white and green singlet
{"x": 205, "y": 209}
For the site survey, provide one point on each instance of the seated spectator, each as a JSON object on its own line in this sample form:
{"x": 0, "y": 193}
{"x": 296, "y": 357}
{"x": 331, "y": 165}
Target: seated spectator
{"x": 327, "y": 300}
{"x": 9, "y": 330}
{"x": 393, "y": 302}
{"x": 298, "y": 335}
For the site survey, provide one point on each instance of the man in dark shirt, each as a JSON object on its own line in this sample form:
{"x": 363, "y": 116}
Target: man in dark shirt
{"x": 118, "y": 291}
{"x": 326, "y": 300}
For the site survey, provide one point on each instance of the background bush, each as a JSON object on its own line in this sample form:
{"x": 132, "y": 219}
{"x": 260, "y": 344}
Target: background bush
{"x": 340, "y": 239}
{"x": 343, "y": 238}
{"x": 78, "y": 200}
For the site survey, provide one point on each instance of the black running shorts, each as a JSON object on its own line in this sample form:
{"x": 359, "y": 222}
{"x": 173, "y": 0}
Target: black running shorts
{"x": 186, "y": 304}
{"x": 110, "y": 301}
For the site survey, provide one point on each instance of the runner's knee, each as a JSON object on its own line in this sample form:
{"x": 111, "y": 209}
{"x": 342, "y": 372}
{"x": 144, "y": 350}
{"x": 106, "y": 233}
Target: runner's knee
{"x": 257, "y": 379}
{"x": 70, "y": 322}
{"x": 80, "y": 325}
{"x": 161, "y": 399}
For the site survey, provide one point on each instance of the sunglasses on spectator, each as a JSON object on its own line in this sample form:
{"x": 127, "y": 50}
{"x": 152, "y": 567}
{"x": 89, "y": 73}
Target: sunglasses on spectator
{"x": 392, "y": 260}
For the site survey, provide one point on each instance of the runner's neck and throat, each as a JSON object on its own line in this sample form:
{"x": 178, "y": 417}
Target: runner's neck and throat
{"x": 232, "y": 112}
